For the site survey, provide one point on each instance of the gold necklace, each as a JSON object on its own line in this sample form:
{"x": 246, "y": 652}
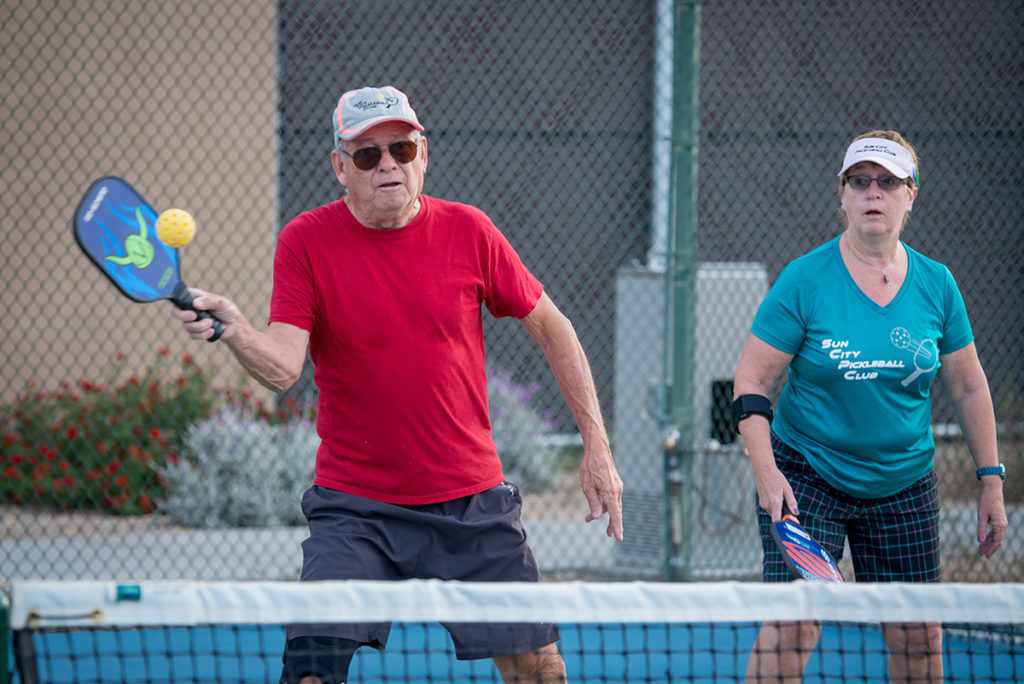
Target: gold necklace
{"x": 885, "y": 276}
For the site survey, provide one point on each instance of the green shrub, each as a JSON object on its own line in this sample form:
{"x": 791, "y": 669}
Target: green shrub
{"x": 240, "y": 471}
{"x": 92, "y": 445}
{"x": 100, "y": 445}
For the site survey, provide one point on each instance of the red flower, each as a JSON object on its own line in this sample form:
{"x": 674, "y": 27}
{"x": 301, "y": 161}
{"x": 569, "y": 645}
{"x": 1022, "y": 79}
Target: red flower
{"x": 155, "y": 433}
{"x": 10, "y": 472}
{"x": 72, "y": 432}
{"x": 113, "y": 466}
{"x": 163, "y": 351}
{"x": 121, "y": 481}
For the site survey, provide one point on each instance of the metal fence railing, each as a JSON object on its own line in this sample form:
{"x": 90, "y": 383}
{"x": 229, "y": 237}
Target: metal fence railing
{"x": 551, "y": 118}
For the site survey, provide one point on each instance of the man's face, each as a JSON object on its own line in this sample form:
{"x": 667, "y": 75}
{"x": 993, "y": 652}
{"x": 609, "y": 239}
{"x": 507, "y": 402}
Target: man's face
{"x": 383, "y": 196}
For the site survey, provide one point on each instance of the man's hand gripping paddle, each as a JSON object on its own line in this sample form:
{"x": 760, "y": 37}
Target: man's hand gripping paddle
{"x": 804, "y": 557}
{"x": 117, "y": 229}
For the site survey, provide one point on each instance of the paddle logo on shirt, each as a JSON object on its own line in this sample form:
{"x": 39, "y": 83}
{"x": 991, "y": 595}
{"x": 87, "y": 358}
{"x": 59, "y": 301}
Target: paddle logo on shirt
{"x": 926, "y": 353}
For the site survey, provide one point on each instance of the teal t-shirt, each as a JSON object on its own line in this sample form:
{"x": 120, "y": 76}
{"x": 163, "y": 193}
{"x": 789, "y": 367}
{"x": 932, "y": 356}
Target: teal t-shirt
{"x": 857, "y": 403}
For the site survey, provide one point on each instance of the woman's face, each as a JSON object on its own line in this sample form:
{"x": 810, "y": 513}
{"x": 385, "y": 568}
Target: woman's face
{"x": 881, "y": 205}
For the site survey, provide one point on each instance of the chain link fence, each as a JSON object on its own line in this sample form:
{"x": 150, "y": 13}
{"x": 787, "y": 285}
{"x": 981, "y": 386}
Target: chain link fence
{"x": 554, "y": 119}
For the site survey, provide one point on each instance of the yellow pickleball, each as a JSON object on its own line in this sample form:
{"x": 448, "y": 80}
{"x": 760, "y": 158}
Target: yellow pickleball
{"x": 175, "y": 227}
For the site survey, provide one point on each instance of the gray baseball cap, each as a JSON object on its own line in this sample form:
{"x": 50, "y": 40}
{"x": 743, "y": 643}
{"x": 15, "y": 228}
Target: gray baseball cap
{"x": 360, "y": 110}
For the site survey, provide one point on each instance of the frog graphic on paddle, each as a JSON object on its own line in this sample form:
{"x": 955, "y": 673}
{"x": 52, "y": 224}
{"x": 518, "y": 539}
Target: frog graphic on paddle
{"x": 138, "y": 249}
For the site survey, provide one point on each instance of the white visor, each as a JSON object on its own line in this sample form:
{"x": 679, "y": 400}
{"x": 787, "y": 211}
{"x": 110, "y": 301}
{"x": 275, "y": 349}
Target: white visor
{"x": 893, "y": 156}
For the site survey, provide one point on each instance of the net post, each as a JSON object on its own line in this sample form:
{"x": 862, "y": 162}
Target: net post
{"x": 5, "y": 639}
{"x": 25, "y": 657}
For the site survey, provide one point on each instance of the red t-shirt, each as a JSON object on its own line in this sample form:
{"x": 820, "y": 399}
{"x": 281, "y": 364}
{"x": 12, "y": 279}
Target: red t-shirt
{"x": 396, "y": 339}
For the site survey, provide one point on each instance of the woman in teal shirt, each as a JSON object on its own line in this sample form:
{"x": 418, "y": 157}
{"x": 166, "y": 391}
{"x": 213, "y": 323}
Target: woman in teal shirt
{"x": 863, "y": 324}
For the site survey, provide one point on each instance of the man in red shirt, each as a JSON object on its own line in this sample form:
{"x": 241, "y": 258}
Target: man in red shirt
{"x": 384, "y": 287}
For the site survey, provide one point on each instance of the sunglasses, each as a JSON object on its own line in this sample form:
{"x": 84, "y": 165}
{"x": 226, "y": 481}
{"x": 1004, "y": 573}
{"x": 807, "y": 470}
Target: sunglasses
{"x": 366, "y": 158}
{"x": 887, "y": 183}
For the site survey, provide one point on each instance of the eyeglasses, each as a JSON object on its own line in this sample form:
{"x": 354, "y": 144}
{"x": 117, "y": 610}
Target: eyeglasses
{"x": 887, "y": 183}
{"x": 366, "y": 158}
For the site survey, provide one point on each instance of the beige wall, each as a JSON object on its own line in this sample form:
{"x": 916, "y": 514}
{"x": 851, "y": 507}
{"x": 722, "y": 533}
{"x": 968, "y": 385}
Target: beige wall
{"x": 178, "y": 98}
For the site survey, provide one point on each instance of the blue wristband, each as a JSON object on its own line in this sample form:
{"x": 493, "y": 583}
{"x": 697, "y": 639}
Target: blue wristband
{"x": 999, "y": 470}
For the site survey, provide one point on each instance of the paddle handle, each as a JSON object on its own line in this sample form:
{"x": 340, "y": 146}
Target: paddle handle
{"x": 182, "y": 298}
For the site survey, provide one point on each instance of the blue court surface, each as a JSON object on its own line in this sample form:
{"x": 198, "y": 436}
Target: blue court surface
{"x": 418, "y": 653}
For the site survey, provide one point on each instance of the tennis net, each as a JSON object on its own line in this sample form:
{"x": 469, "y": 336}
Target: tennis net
{"x": 166, "y": 631}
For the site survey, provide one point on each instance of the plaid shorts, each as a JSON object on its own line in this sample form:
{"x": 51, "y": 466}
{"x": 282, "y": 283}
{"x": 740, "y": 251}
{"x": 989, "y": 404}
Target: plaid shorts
{"x": 892, "y": 539}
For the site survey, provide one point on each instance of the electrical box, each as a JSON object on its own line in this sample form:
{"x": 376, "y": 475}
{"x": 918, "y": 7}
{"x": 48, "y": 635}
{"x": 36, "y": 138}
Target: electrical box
{"x": 723, "y": 541}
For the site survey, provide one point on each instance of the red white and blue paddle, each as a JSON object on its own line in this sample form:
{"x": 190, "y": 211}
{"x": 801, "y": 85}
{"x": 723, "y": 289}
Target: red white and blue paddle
{"x": 804, "y": 556}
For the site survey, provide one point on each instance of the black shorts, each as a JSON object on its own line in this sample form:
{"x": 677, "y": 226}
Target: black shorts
{"x": 892, "y": 539}
{"x": 477, "y": 538}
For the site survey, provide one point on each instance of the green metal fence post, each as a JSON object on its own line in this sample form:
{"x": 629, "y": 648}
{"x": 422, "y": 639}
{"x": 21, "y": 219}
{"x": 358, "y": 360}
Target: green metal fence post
{"x": 681, "y": 277}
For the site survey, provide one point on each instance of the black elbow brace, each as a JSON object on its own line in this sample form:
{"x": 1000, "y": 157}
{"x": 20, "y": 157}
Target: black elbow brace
{"x": 747, "y": 405}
